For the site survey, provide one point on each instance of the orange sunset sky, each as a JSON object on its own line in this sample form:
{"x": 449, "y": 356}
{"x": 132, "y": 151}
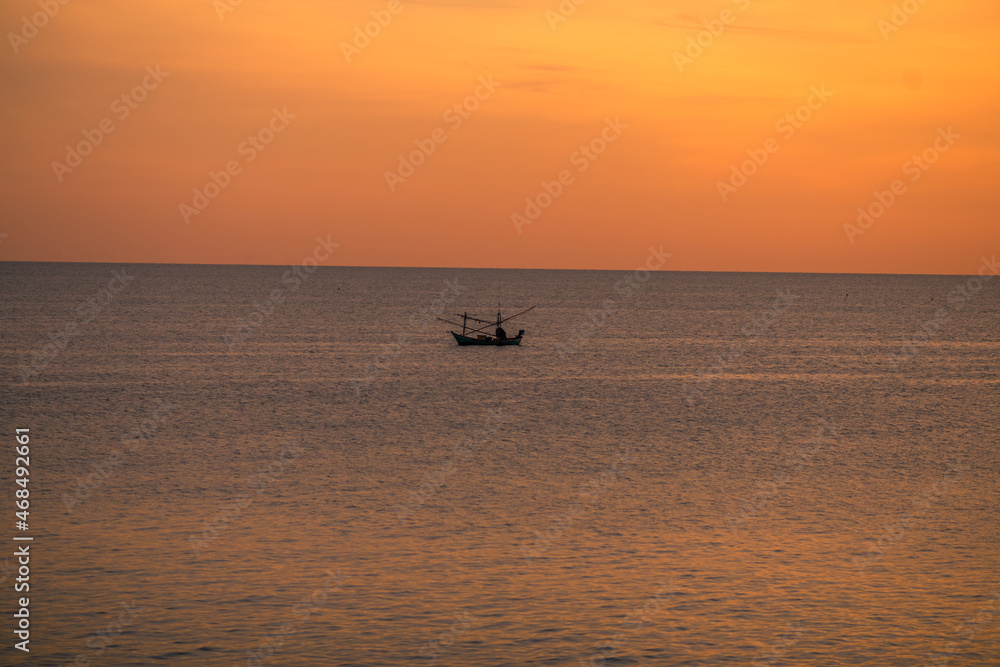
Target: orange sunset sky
{"x": 893, "y": 93}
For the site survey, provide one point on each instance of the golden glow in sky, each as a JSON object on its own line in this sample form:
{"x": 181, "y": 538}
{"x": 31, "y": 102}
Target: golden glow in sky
{"x": 742, "y": 135}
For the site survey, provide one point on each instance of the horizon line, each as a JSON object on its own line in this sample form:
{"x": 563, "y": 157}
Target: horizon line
{"x": 473, "y": 268}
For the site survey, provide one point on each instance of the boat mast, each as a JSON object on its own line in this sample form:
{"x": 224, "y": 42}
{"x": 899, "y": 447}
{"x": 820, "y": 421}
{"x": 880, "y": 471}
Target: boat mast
{"x": 465, "y": 318}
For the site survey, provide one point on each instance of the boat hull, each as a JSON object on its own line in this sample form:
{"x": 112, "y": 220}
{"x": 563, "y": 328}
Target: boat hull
{"x": 489, "y": 340}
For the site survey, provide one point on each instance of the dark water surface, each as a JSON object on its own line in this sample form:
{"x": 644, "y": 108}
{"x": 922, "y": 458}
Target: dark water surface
{"x": 698, "y": 469}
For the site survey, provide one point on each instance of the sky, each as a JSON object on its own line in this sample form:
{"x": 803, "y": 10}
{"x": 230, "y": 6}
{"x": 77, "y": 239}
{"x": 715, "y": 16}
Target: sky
{"x": 738, "y": 135}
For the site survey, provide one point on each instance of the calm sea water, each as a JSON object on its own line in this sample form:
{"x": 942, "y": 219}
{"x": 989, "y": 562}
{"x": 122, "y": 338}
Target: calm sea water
{"x": 698, "y": 469}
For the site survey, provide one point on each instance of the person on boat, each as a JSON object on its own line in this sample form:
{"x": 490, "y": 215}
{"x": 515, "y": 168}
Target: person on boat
{"x": 501, "y": 334}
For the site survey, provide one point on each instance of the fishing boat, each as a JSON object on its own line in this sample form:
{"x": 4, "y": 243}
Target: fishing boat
{"x": 472, "y": 336}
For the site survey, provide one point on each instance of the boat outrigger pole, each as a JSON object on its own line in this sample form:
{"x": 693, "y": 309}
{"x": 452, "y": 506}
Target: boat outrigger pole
{"x": 465, "y": 338}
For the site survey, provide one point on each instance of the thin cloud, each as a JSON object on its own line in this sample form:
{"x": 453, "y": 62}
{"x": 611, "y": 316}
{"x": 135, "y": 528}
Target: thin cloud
{"x": 802, "y": 34}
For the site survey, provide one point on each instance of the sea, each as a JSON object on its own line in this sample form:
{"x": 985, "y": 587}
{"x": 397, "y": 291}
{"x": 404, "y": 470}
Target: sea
{"x": 298, "y": 466}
